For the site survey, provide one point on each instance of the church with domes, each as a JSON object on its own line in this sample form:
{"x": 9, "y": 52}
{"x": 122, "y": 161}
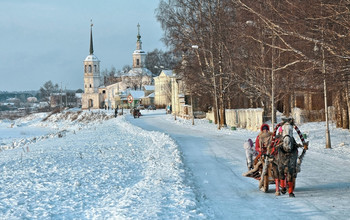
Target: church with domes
{"x": 96, "y": 95}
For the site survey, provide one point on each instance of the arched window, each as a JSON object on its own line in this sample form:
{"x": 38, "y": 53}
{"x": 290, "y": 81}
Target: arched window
{"x": 137, "y": 62}
{"x": 90, "y": 85}
{"x": 90, "y": 69}
{"x": 95, "y": 68}
{"x": 85, "y": 68}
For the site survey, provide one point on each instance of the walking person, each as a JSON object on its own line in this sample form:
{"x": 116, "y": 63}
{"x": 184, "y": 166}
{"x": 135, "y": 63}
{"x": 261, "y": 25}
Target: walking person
{"x": 249, "y": 153}
{"x": 116, "y": 112}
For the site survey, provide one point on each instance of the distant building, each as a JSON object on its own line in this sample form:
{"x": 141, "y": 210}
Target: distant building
{"x": 32, "y": 99}
{"x": 148, "y": 98}
{"x": 162, "y": 88}
{"x": 180, "y": 105}
{"x": 65, "y": 99}
{"x": 112, "y": 98}
{"x": 139, "y": 75}
{"x": 148, "y": 89}
{"x": 14, "y": 101}
{"x": 139, "y": 78}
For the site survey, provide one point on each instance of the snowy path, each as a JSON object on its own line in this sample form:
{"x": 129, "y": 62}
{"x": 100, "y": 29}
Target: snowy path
{"x": 215, "y": 162}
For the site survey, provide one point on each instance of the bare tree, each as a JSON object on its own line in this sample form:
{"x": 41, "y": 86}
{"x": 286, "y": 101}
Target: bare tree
{"x": 46, "y": 90}
{"x": 261, "y": 51}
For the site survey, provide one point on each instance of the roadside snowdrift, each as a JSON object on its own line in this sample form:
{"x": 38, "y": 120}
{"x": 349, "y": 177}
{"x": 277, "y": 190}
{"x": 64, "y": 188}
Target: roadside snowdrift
{"x": 93, "y": 166}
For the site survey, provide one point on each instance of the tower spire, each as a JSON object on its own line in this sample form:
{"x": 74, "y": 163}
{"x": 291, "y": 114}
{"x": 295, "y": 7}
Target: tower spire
{"x": 91, "y": 42}
{"x": 138, "y": 42}
{"x": 138, "y": 32}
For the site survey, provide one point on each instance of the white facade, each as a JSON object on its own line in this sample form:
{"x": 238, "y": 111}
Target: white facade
{"x": 112, "y": 94}
{"x": 162, "y": 88}
{"x": 92, "y": 77}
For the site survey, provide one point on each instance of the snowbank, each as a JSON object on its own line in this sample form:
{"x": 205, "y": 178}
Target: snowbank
{"x": 100, "y": 168}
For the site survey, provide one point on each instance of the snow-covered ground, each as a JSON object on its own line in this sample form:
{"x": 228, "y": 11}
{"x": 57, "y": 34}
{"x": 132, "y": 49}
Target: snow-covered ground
{"x": 89, "y": 165}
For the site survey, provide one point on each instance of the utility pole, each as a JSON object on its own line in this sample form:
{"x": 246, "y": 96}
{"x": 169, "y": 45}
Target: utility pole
{"x": 61, "y": 97}
{"x": 273, "y": 82}
{"x": 174, "y": 95}
{"x": 221, "y": 89}
{"x": 328, "y": 138}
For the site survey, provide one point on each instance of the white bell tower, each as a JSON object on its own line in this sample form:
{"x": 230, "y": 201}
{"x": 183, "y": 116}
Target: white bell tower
{"x": 91, "y": 98}
{"x": 92, "y": 78}
{"x": 139, "y": 56}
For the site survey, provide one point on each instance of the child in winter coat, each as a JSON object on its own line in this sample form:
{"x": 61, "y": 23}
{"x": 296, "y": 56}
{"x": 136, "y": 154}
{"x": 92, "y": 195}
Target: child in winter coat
{"x": 249, "y": 153}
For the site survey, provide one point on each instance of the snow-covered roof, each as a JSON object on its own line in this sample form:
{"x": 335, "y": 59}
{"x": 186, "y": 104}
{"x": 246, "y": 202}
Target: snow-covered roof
{"x": 167, "y": 72}
{"x": 151, "y": 95}
{"x": 149, "y": 87}
{"x": 139, "y": 72}
{"x": 12, "y": 99}
{"x": 139, "y": 51}
{"x": 91, "y": 57}
{"x": 5, "y": 103}
{"x": 136, "y": 94}
{"x": 58, "y": 93}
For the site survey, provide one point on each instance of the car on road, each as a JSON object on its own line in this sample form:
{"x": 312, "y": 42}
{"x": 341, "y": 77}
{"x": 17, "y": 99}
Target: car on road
{"x": 151, "y": 107}
{"x": 140, "y": 107}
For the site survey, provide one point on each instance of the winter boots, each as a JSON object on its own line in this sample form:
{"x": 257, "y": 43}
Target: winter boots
{"x": 291, "y": 189}
{"x": 283, "y": 186}
{"x": 277, "y": 182}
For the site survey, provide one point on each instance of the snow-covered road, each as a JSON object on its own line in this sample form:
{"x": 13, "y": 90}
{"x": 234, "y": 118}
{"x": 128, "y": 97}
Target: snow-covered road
{"x": 215, "y": 162}
{"x": 89, "y": 165}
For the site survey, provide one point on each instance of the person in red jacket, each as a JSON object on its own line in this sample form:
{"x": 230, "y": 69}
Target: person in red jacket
{"x": 263, "y": 140}
{"x": 263, "y": 146}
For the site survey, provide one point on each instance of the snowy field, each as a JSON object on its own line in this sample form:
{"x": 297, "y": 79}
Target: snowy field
{"x": 89, "y": 165}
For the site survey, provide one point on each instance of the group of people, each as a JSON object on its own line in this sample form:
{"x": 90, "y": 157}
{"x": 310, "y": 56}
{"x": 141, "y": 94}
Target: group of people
{"x": 262, "y": 145}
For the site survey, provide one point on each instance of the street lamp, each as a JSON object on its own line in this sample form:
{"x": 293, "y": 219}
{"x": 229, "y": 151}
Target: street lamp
{"x": 328, "y": 138}
{"x": 214, "y": 82}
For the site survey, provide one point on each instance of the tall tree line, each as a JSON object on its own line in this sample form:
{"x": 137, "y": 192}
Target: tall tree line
{"x": 263, "y": 50}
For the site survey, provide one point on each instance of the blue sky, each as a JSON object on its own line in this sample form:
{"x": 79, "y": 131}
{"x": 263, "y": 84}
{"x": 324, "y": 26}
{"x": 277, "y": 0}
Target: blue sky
{"x": 45, "y": 40}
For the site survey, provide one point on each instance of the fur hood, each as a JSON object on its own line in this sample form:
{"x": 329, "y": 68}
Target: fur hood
{"x": 261, "y": 128}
